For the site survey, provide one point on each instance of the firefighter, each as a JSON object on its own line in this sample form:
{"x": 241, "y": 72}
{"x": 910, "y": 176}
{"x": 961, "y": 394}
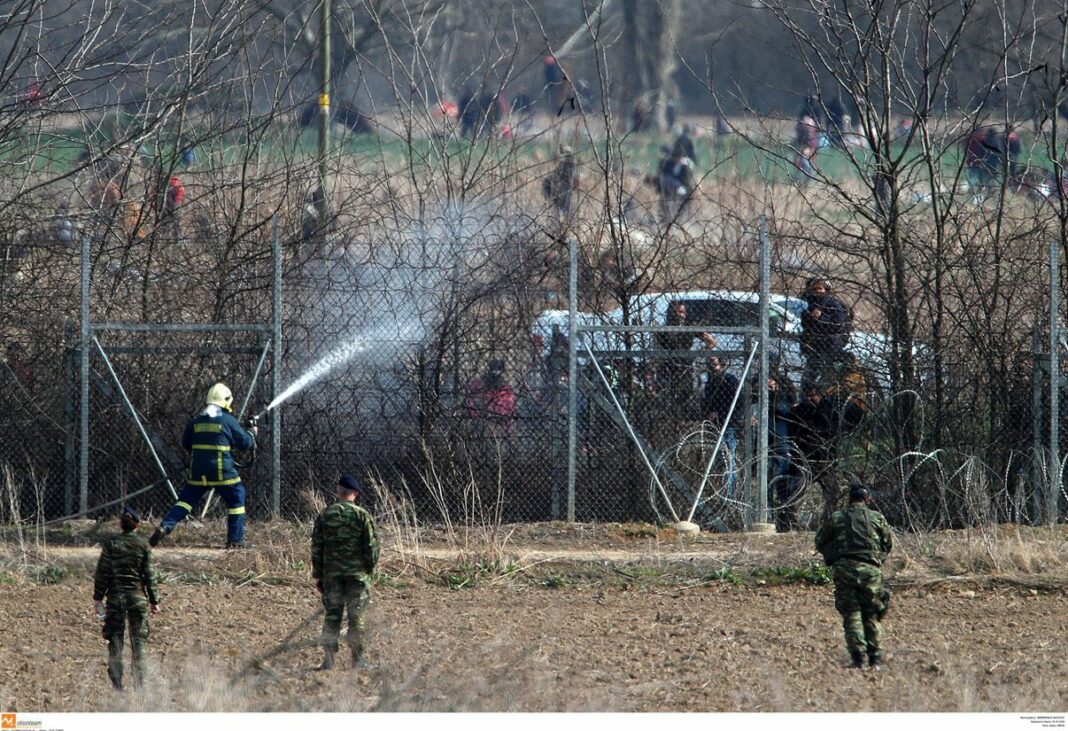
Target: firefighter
{"x": 211, "y": 438}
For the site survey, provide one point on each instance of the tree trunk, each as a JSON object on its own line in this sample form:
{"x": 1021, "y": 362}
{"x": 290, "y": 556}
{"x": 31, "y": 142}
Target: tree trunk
{"x": 650, "y": 60}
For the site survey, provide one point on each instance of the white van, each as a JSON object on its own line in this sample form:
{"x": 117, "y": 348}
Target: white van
{"x": 716, "y": 309}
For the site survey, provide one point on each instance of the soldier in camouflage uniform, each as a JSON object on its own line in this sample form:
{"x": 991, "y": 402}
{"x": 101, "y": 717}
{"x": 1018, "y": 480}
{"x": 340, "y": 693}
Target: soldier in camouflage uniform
{"x": 854, "y": 542}
{"x": 124, "y": 575}
{"x": 344, "y": 554}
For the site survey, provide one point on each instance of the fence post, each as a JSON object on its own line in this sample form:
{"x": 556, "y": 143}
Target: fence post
{"x": 556, "y": 448}
{"x": 572, "y": 376}
{"x": 83, "y": 381}
{"x": 1037, "y": 448}
{"x": 275, "y": 414}
{"x": 762, "y": 436}
{"x": 1054, "y": 382}
{"x": 70, "y": 464}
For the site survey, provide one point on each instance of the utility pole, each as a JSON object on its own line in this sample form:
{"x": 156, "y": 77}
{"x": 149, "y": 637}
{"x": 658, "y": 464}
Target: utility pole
{"x": 324, "y": 108}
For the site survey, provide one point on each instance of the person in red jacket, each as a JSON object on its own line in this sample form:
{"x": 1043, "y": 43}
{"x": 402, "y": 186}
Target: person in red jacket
{"x": 492, "y": 400}
{"x": 172, "y": 201}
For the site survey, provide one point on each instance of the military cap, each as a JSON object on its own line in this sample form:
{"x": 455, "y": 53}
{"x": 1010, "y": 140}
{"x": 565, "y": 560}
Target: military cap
{"x": 132, "y": 512}
{"x": 858, "y": 493}
{"x": 349, "y": 483}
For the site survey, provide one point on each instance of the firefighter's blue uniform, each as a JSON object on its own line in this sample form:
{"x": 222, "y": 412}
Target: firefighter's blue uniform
{"x": 210, "y": 438}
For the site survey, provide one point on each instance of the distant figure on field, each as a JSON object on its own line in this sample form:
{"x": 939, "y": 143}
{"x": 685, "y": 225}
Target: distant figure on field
{"x": 126, "y": 579}
{"x": 722, "y": 128}
{"x": 640, "y": 116}
{"x": 684, "y": 143}
{"x": 806, "y": 139}
{"x": 172, "y": 201}
{"x": 671, "y": 113}
{"x": 855, "y": 542}
{"x": 469, "y": 114}
{"x": 64, "y": 229}
{"x": 838, "y": 121}
{"x": 676, "y": 184}
{"x": 981, "y": 155}
{"x": 558, "y": 186}
{"x": 556, "y": 91}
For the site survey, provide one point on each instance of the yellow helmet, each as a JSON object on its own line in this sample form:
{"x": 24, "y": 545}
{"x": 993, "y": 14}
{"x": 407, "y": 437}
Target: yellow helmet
{"x": 219, "y": 395}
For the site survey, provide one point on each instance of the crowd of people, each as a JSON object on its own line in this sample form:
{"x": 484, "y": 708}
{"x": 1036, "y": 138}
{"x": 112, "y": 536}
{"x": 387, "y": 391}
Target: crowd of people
{"x": 128, "y": 188}
{"x": 805, "y": 426}
{"x": 991, "y": 155}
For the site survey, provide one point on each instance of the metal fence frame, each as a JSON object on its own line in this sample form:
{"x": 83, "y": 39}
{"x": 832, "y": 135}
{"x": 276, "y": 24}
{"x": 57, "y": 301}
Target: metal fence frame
{"x": 78, "y": 459}
{"x": 758, "y": 513}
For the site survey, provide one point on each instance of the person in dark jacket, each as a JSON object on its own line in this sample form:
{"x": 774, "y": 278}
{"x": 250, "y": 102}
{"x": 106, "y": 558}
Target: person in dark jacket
{"x": 675, "y": 374}
{"x": 836, "y": 116}
{"x": 126, "y": 579}
{"x": 813, "y": 427}
{"x": 684, "y": 144}
{"x": 721, "y": 390}
{"x": 825, "y": 329}
{"x": 211, "y": 438}
{"x": 784, "y": 483}
{"x": 555, "y": 85}
{"x": 810, "y": 107}
{"x": 982, "y": 151}
{"x": 676, "y": 183}
{"x": 344, "y": 555}
{"x": 469, "y": 114}
{"x": 855, "y": 542}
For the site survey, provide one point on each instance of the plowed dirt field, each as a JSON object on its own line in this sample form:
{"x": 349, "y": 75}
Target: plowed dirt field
{"x": 558, "y": 621}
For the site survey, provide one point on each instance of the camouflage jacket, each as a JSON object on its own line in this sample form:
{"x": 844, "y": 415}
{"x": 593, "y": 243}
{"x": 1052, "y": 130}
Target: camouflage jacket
{"x": 125, "y": 568}
{"x": 344, "y": 544}
{"x": 857, "y": 533}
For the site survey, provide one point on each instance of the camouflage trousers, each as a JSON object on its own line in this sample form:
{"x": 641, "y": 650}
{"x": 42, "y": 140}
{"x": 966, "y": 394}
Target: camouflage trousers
{"x": 341, "y": 596}
{"x": 857, "y": 597}
{"x": 123, "y": 610}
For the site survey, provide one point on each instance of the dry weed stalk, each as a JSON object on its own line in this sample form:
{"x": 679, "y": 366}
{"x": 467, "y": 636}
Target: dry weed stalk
{"x": 396, "y": 514}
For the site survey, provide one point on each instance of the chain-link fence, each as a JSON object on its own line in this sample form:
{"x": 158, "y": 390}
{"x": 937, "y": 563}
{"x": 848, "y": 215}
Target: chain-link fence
{"x": 460, "y": 395}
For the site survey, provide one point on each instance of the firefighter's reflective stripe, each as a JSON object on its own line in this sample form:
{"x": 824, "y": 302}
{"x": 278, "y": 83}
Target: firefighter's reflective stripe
{"x": 237, "y": 511}
{"x": 213, "y": 447}
{"x": 184, "y": 506}
{"x": 205, "y": 482}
